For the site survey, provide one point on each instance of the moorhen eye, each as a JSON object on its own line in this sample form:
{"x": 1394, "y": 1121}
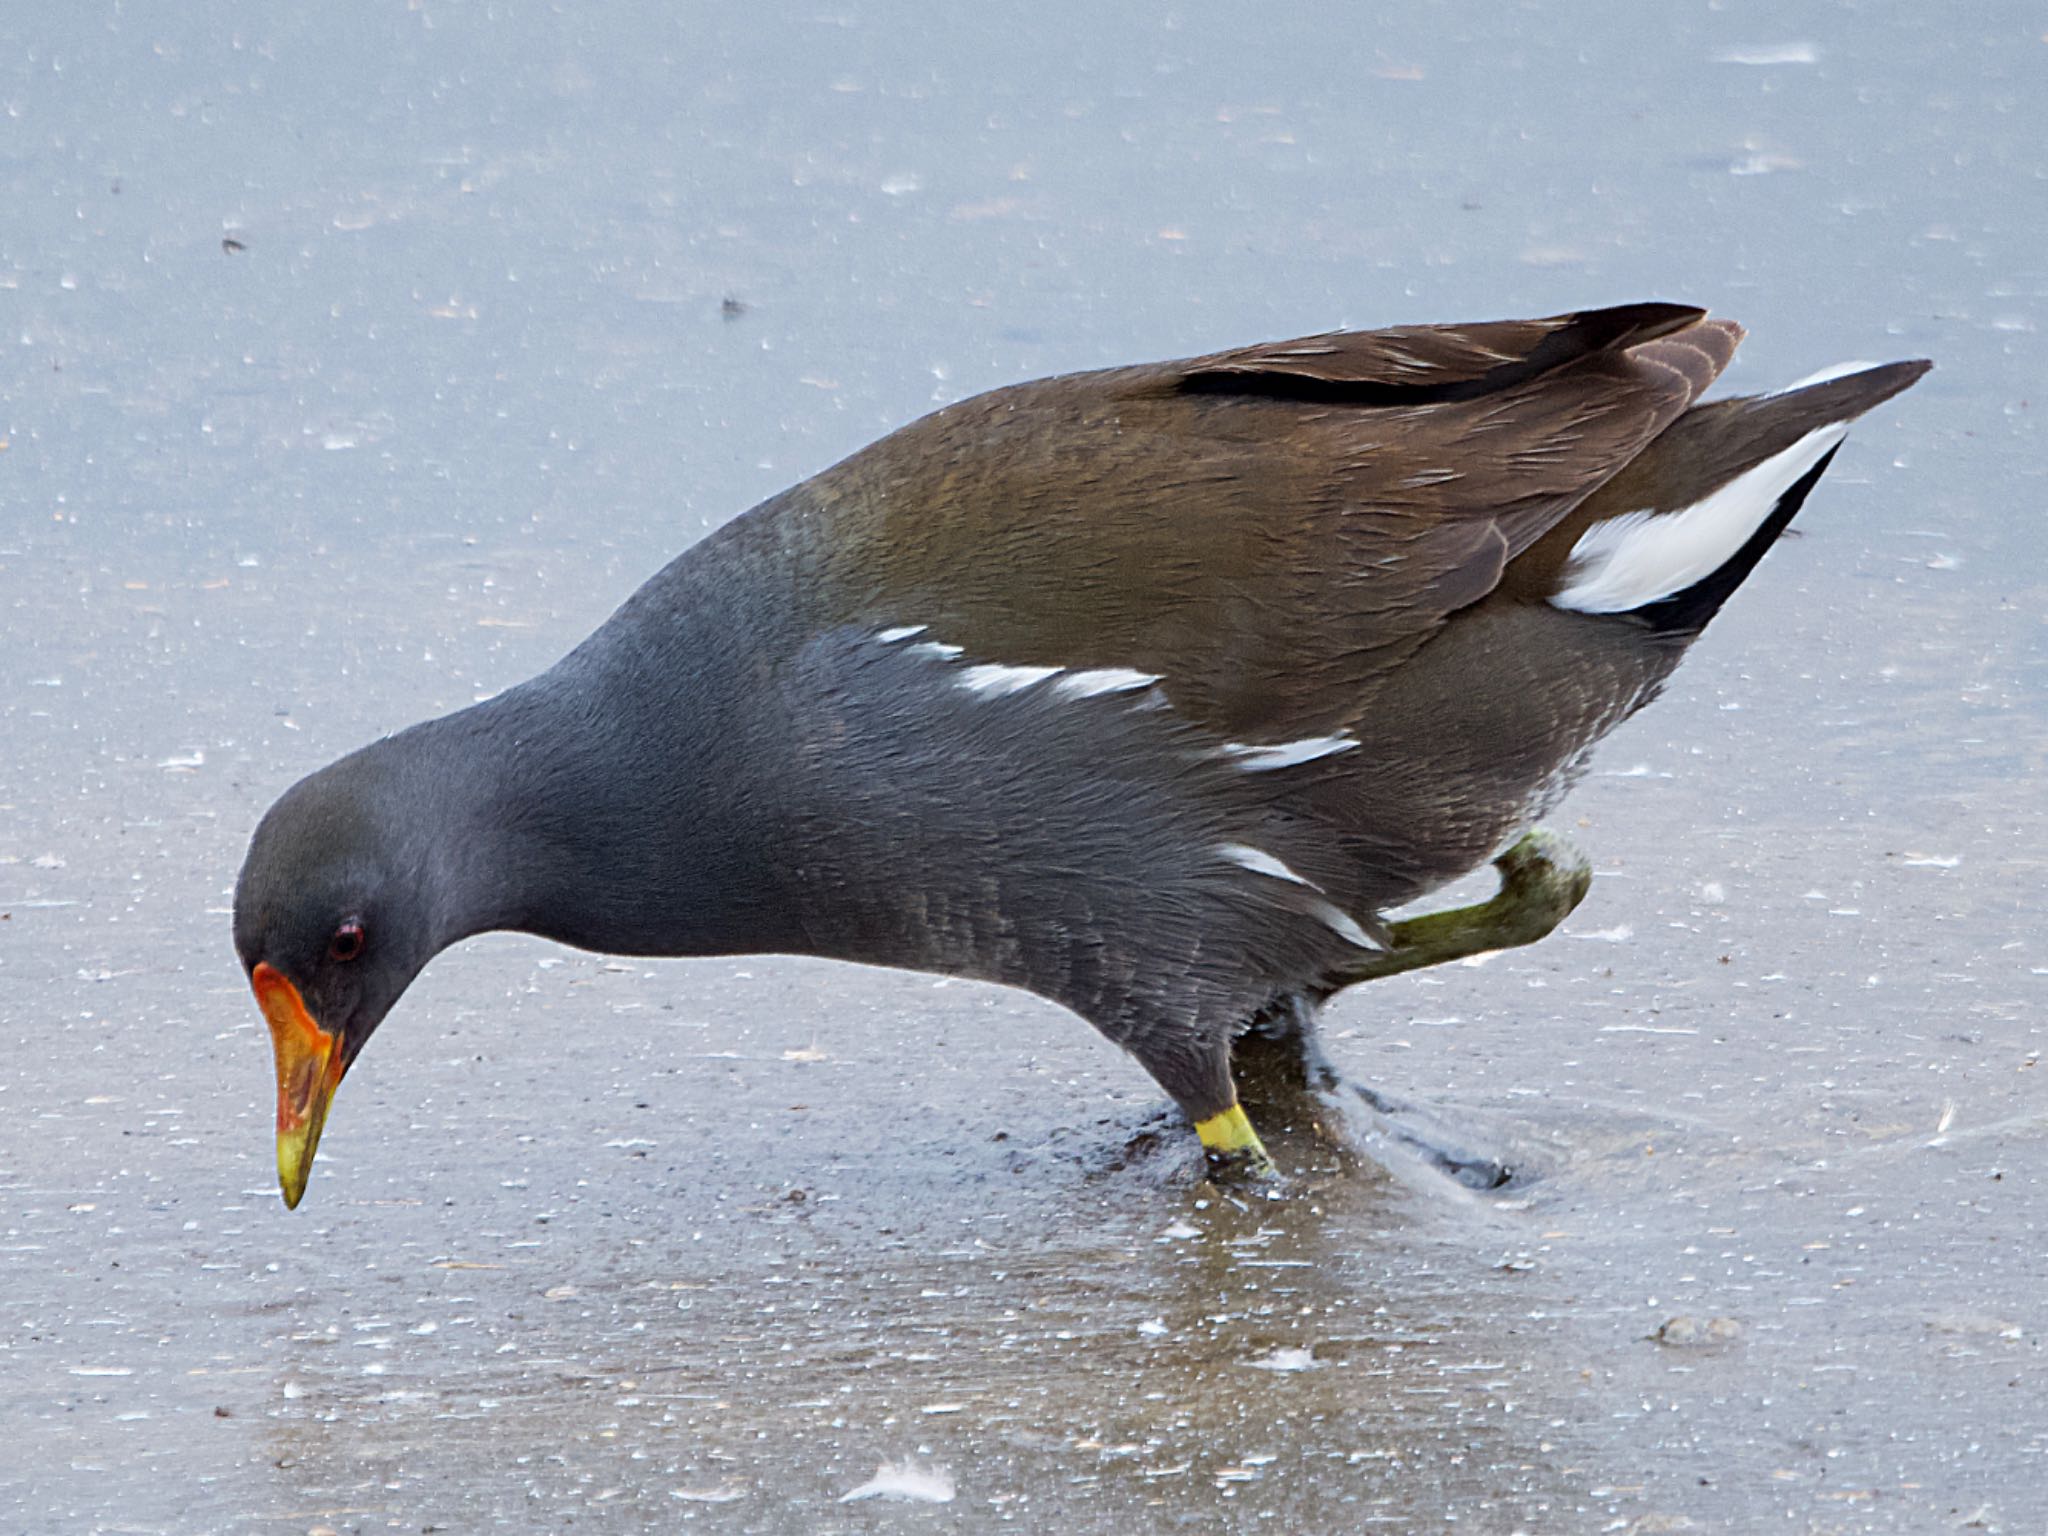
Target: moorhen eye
{"x": 348, "y": 940}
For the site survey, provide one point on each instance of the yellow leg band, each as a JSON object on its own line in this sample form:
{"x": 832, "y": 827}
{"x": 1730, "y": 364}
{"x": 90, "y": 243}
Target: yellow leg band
{"x": 1231, "y": 1134}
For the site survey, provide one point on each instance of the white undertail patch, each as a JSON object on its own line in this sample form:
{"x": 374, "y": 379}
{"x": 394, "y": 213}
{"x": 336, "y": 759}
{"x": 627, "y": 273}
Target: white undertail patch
{"x": 1638, "y": 558}
{"x": 1256, "y": 758}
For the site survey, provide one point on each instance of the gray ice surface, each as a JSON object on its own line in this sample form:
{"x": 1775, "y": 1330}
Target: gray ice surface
{"x": 360, "y": 358}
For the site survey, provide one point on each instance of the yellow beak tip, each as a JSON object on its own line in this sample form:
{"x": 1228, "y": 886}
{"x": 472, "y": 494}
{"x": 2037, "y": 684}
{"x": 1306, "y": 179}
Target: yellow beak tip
{"x": 309, "y": 1068}
{"x": 295, "y": 1149}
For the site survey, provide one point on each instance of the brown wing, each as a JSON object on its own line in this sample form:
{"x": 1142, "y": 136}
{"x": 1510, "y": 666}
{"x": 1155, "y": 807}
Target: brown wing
{"x": 1273, "y": 529}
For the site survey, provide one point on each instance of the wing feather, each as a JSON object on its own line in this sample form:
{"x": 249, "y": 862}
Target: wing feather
{"x": 1270, "y": 530}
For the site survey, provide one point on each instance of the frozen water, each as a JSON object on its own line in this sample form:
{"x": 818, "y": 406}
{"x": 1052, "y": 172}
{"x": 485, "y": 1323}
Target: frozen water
{"x": 518, "y": 301}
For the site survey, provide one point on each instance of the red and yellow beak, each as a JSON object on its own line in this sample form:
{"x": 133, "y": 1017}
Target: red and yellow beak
{"x": 309, "y": 1068}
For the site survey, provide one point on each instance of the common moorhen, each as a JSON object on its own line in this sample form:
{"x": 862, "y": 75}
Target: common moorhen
{"x": 1147, "y": 690}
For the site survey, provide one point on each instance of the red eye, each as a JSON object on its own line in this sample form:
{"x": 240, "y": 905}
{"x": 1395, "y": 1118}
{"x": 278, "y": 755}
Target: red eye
{"x": 348, "y": 940}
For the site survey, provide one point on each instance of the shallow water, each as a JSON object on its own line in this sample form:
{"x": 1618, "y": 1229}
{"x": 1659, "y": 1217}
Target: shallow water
{"x": 605, "y": 1246}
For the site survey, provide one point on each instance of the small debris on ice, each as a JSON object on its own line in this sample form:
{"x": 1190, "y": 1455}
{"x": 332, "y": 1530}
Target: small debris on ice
{"x": 1761, "y": 162}
{"x": 1692, "y": 1333}
{"x": 1770, "y": 53}
{"x": 905, "y": 1480}
{"x": 721, "y": 1495}
{"x": 1621, "y": 933}
{"x": 1287, "y": 1361}
{"x": 1974, "y": 1322}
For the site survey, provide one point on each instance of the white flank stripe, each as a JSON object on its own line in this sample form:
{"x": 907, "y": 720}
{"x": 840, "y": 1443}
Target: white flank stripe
{"x": 994, "y": 681}
{"x": 1822, "y": 375}
{"x": 935, "y": 648}
{"x": 1086, "y": 685}
{"x": 1260, "y": 862}
{"x": 903, "y": 632}
{"x": 1344, "y": 927}
{"x": 1285, "y": 754}
{"x": 1644, "y": 557}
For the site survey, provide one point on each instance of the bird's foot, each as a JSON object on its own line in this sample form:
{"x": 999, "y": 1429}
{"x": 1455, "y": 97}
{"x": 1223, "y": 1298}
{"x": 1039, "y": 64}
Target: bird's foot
{"x": 1233, "y": 1150}
{"x": 1318, "y": 1116}
{"x": 1288, "y": 1085}
{"x": 1543, "y": 877}
{"x": 1420, "y": 1132}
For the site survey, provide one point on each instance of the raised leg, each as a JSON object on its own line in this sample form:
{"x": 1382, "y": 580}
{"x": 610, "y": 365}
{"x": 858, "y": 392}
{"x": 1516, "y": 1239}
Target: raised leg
{"x": 1280, "y": 1068}
{"x": 1542, "y": 878}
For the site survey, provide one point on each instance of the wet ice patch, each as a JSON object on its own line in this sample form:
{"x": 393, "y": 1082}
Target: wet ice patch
{"x": 908, "y": 1481}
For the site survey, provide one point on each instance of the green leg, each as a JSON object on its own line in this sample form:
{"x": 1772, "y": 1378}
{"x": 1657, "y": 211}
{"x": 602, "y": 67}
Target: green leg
{"x": 1281, "y": 1069}
{"x": 1542, "y": 877}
